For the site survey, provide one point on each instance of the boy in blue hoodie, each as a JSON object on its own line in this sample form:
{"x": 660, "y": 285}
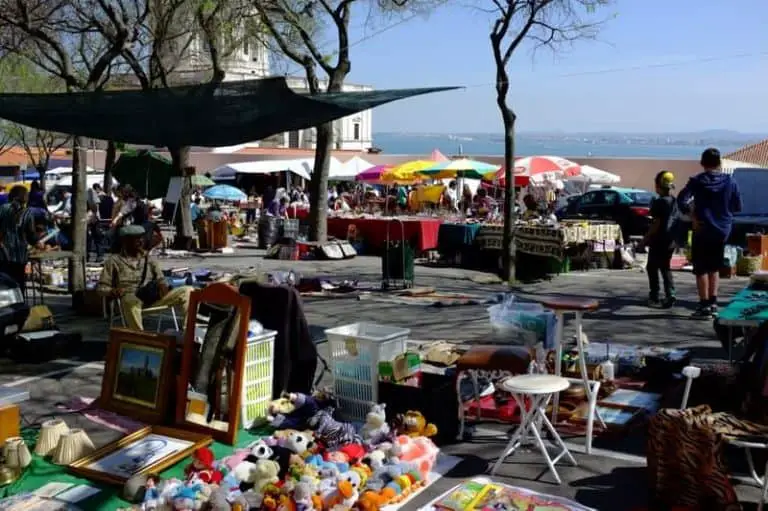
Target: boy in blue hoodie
{"x": 716, "y": 198}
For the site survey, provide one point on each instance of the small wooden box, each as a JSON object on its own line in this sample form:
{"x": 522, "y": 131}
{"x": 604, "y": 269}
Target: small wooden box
{"x": 10, "y": 418}
{"x": 757, "y": 245}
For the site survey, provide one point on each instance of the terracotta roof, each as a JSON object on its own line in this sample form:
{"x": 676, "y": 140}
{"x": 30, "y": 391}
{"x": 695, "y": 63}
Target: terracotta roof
{"x": 17, "y": 156}
{"x": 756, "y": 154}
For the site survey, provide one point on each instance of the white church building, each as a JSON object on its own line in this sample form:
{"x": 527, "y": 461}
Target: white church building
{"x": 251, "y": 60}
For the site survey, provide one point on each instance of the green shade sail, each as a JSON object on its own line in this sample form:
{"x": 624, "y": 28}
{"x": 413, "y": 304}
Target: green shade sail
{"x": 147, "y": 172}
{"x": 197, "y": 115}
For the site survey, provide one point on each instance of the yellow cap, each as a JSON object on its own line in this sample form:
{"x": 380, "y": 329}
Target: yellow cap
{"x": 665, "y": 179}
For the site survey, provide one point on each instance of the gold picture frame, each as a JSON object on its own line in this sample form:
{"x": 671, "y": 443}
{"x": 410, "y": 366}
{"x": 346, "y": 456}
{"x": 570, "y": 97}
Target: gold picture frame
{"x": 149, "y": 450}
{"x": 138, "y": 375}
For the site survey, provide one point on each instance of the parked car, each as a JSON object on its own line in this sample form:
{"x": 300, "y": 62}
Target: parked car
{"x": 13, "y": 310}
{"x": 628, "y": 207}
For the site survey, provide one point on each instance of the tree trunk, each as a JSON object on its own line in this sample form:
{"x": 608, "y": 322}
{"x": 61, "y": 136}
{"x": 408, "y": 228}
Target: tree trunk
{"x": 318, "y": 185}
{"x": 109, "y": 161}
{"x": 183, "y": 219}
{"x": 507, "y": 257}
{"x": 79, "y": 220}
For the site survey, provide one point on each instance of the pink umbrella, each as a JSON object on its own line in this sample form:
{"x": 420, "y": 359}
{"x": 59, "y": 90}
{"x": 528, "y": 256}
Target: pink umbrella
{"x": 438, "y": 156}
{"x": 373, "y": 174}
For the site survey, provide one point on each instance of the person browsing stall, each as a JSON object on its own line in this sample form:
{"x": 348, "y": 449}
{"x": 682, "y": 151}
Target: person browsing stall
{"x": 17, "y": 233}
{"x": 134, "y": 277}
{"x": 660, "y": 241}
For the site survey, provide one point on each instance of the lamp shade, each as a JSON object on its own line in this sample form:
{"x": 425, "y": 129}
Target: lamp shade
{"x": 16, "y": 453}
{"x": 72, "y": 446}
{"x": 50, "y": 433}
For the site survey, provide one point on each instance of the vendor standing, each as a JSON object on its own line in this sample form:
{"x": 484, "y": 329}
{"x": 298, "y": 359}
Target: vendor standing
{"x": 17, "y": 233}
{"x": 137, "y": 280}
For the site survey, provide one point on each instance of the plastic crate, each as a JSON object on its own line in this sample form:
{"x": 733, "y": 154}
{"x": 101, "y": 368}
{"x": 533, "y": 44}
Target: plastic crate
{"x": 356, "y": 350}
{"x": 257, "y": 377}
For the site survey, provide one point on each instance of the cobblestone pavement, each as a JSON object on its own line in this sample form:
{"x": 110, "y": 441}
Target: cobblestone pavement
{"x": 611, "y": 481}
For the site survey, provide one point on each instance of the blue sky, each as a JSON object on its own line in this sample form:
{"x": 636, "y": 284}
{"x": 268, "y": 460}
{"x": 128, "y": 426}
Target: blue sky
{"x": 568, "y": 91}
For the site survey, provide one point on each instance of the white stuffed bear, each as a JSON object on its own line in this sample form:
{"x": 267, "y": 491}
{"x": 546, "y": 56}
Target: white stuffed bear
{"x": 375, "y": 430}
{"x": 299, "y": 442}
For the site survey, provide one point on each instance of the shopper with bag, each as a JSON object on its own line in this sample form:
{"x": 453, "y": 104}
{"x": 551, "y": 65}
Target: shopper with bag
{"x": 135, "y": 278}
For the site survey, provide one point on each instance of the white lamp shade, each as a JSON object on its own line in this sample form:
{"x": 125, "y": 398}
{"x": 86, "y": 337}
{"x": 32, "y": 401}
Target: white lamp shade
{"x": 16, "y": 453}
{"x": 50, "y": 433}
{"x": 72, "y": 446}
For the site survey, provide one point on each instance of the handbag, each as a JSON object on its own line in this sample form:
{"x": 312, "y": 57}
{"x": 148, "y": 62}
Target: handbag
{"x": 148, "y": 293}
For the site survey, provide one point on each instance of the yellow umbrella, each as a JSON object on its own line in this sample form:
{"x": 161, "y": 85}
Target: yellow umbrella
{"x": 25, "y": 184}
{"x": 407, "y": 172}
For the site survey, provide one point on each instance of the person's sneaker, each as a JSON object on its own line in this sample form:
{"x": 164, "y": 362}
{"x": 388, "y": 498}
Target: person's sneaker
{"x": 668, "y": 303}
{"x": 654, "y": 303}
{"x": 702, "y": 312}
{"x": 713, "y": 309}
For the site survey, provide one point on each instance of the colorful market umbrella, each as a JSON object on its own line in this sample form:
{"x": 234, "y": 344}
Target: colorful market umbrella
{"x": 539, "y": 169}
{"x": 202, "y": 181}
{"x": 224, "y": 192}
{"x": 437, "y": 156}
{"x": 406, "y": 172}
{"x": 373, "y": 174}
{"x": 461, "y": 168}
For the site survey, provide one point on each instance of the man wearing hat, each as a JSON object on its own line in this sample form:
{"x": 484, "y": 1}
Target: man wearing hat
{"x": 660, "y": 241}
{"x": 137, "y": 280}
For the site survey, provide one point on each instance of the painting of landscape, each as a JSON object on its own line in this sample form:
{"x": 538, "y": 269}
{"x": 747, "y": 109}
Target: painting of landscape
{"x": 137, "y": 378}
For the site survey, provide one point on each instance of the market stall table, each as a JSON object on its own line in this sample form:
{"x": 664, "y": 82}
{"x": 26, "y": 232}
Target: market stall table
{"x": 36, "y": 260}
{"x": 453, "y": 238}
{"x": 422, "y": 232}
{"x": 748, "y": 309}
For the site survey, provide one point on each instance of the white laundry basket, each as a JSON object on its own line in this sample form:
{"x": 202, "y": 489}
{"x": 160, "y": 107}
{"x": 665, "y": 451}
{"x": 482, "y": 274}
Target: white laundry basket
{"x": 257, "y": 377}
{"x": 356, "y": 351}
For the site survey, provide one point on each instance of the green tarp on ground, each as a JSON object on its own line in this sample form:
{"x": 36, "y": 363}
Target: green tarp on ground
{"x": 200, "y": 115}
{"x": 147, "y": 172}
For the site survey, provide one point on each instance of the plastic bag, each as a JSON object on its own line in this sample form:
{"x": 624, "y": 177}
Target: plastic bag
{"x": 521, "y": 323}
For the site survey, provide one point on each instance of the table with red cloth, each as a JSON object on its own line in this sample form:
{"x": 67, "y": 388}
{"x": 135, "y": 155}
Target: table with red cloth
{"x": 421, "y": 231}
{"x": 299, "y": 213}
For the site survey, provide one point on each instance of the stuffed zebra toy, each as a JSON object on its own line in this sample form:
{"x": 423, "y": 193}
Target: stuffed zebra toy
{"x": 331, "y": 432}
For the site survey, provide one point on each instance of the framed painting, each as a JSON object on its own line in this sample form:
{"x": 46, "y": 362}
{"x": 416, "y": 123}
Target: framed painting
{"x": 615, "y": 417}
{"x": 138, "y": 375}
{"x": 148, "y": 450}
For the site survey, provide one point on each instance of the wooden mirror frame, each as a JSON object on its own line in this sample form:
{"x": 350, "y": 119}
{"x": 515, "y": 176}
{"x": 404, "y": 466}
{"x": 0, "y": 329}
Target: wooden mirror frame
{"x": 219, "y": 293}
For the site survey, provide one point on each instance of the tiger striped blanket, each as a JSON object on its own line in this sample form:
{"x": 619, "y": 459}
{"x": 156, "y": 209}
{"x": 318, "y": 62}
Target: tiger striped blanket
{"x": 685, "y": 462}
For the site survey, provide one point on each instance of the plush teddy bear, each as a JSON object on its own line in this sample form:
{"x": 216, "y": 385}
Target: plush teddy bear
{"x": 266, "y": 473}
{"x": 413, "y": 424}
{"x": 296, "y": 413}
{"x": 299, "y": 442}
{"x": 375, "y": 430}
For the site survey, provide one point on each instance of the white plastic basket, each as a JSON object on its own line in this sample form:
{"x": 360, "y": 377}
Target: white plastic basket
{"x": 257, "y": 377}
{"x": 356, "y": 351}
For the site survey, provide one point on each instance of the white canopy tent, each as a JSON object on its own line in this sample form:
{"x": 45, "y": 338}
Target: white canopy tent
{"x": 64, "y": 170}
{"x": 302, "y": 167}
{"x": 229, "y": 171}
{"x": 728, "y": 166}
{"x": 91, "y": 179}
{"x": 348, "y": 170}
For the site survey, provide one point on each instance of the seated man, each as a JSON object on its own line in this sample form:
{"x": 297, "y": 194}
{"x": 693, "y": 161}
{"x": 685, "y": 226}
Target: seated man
{"x": 131, "y": 269}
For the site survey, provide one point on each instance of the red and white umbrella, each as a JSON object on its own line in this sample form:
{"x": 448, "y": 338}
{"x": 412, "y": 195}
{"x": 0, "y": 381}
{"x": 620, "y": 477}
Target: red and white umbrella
{"x": 540, "y": 169}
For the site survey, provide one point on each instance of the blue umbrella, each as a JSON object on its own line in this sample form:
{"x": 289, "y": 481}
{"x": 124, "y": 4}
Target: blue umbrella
{"x": 224, "y": 192}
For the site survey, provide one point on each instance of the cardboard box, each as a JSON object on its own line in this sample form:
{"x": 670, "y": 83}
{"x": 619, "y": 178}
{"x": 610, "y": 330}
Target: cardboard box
{"x": 401, "y": 368}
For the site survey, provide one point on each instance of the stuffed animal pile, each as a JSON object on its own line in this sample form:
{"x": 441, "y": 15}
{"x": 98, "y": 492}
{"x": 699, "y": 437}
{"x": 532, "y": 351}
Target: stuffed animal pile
{"x": 312, "y": 462}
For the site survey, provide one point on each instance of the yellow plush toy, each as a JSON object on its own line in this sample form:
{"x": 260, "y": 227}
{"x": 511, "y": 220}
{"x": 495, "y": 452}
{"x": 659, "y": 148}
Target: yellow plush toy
{"x": 414, "y": 424}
